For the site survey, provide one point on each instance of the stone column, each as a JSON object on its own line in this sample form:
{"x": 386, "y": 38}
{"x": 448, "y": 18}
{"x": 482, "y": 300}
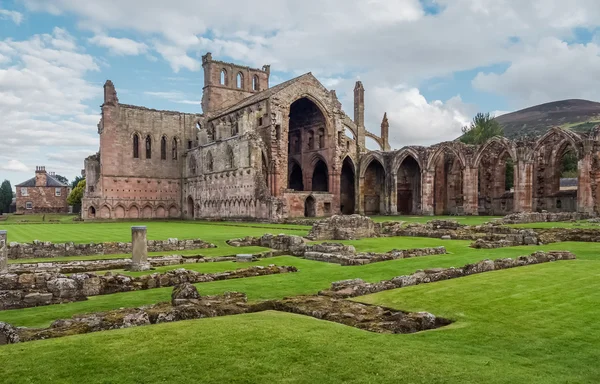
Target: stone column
{"x": 470, "y": 191}
{"x": 585, "y": 198}
{"x": 3, "y": 253}
{"x": 394, "y": 194}
{"x": 523, "y": 196}
{"x": 427, "y": 190}
{"x": 139, "y": 250}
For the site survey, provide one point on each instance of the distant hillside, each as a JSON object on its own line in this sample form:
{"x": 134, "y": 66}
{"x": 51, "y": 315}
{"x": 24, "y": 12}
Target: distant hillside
{"x": 577, "y": 115}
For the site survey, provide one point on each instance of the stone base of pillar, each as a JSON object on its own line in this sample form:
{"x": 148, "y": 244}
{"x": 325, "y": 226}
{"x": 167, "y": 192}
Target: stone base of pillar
{"x": 140, "y": 267}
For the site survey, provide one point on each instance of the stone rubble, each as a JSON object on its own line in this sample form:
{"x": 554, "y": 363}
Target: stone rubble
{"x": 358, "y": 287}
{"x": 543, "y": 217}
{"x": 41, "y": 249}
{"x": 35, "y": 289}
{"x": 340, "y": 227}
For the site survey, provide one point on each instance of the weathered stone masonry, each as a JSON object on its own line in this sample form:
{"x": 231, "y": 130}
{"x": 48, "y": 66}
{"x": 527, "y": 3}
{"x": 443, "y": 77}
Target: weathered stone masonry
{"x": 290, "y": 151}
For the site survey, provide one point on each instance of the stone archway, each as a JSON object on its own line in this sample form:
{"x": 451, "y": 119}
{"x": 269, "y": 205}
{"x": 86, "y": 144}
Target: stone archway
{"x": 374, "y": 188}
{"x": 190, "y": 207}
{"x": 408, "y": 187}
{"x": 347, "y": 188}
{"x": 310, "y": 207}
{"x": 295, "y": 179}
{"x": 320, "y": 178}
{"x": 92, "y": 212}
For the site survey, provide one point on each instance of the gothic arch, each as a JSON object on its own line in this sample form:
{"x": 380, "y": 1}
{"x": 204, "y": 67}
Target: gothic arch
{"x": 317, "y": 102}
{"x": 133, "y": 212}
{"x": 440, "y": 149}
{"x": 147, "y": 211}
{"x": 401, "y": 155}
{"x": 161, "y": 212}
{"x": 573, "y": 139}
{"x": 119, "y": 211}
{"x": 498, "y": 140}
{"x": 368, "y": 159}
{"x": 105, "y": 212}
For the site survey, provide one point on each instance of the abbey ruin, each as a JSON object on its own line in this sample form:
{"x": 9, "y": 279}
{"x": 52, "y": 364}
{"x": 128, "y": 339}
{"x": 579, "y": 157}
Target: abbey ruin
{"x": 290, "y": 151}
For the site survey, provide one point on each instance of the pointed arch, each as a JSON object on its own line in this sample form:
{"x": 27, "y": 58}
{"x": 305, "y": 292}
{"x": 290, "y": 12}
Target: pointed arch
{"x": 494, "y": 141}
{"x": 148, "y": 147}
{"x": 174, "y": 153}
{"x": 295, "y": 177}
{"x": 209, "y": 162}
{"x": 566, "y": 135}
{"x": 147, "y": 211}
{"x": 119, "y": 211}
{"x": 255, "y": 83}
{"x": 163, "y": 148}
{"x": 136, "y": 146}
{"x": 348, "y": 187}
{"x": 446, "y": 146}
{"x": 223, "y": 77}
{"x": 239, "y": 80}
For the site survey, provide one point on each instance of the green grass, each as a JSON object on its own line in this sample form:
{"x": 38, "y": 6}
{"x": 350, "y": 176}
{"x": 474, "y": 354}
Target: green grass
{"x": 38, "y": 218}
{"x": 312, "y": 276}
{"x": 535, "y": 324}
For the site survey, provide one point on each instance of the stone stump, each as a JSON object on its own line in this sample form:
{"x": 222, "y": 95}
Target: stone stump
{"x": 139, "y": 247}
{"x": 3, "y": 253}
{"x": 243, "y": 258}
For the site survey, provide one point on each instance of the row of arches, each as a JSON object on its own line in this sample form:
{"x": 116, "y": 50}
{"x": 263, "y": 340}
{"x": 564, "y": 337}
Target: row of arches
{"x": 235, "y": 207}
{"x": 147, "y": 148}
{"x": 133, "y": 211}
{"x": 239, "y": 80}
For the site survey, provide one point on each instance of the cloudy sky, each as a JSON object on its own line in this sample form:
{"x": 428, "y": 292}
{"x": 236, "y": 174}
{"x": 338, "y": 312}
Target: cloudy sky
{"x": 431, "y": 64}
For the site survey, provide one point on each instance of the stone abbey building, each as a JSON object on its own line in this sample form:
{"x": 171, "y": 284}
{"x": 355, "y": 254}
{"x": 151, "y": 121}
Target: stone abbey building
{"x": 290, "y": 150}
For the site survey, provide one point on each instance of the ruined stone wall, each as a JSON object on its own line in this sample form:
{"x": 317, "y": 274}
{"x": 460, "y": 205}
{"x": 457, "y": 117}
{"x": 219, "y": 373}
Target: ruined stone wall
{"x": 39, "y": 249}
{"x": 145, "y": 182}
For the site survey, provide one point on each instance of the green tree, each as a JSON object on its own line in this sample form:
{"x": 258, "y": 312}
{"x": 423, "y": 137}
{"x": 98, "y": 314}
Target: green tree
{"x": 482, "y": 128}
{"x": 6, "y": 195}
{"x": 76, "y": 181}
{"x": 62, "y": 179}
{"x": 568, "y": 166}
{"x": 76, "y": 194}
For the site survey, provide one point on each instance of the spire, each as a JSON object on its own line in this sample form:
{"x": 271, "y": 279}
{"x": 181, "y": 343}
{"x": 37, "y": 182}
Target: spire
{"x": 385, "y": 131}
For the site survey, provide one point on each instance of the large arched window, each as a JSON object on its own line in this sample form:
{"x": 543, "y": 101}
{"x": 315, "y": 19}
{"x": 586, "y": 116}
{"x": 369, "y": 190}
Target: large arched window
{"x": 148, "y": 147}
{"x": 239, "y": 80}
{"x": 209, "y": 162}
{"x": 174, "y": 149}
{"x": 223, "y": 78}
{"x": 163, "y": 148}
{"x": 255, "y": 83}
{"x": 136, "y": 146}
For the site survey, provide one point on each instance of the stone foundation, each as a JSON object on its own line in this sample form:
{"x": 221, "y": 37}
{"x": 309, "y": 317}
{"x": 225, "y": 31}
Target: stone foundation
{"x": 186, "y": 304}
{"x": 358, "y": 287}
{"x": 343, "y": 228}
{"x": 35, "y": 289}
{"x": 543, "y": 217}
{"x": 39, "y": 249}
{"x": 346, "y": 255}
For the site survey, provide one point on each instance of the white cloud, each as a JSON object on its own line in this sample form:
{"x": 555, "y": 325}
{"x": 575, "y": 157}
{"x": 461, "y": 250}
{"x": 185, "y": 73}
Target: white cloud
{"x": 547, "y": 71}
{"x": 119, "y": 46}
{"x": 15, "y": 16}
{"x": 15, "y": 166}
{"x": 43, "y": 96}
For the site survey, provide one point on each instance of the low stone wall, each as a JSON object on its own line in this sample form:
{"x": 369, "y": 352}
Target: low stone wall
{"x": 343, "y": 228}
{"x": 186, "y": 304}
{"x": 554, "y": 235}
{"x": 543, "y": 217}
{"x": 40, "y": 249}
{"x": 346, "y": 255}
{"x": 79, "y": 266}
{"x": 35, "y": 289}
{"x": 358, "y": 287}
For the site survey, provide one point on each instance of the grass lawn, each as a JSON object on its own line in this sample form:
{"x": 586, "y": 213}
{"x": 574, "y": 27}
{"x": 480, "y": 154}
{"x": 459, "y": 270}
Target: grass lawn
{"x": 16, "y": 219}
{"x": 535, "y": 324}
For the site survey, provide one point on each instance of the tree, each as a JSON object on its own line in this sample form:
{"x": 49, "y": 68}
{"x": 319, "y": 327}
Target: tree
{"x": 76, "y": 181}
{"x": 76, "y": 194}
{"x": 482, "y": 128}
{"x": 6, "y": 195}
{"x": 62, "y": 179}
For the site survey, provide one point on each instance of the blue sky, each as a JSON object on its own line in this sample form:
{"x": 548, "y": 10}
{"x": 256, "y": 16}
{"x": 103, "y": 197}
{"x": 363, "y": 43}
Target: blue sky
{"x": 431, "y": 65}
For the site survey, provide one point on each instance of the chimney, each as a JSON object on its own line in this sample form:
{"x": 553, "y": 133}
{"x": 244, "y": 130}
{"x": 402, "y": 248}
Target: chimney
{"x": 41, "y": 179}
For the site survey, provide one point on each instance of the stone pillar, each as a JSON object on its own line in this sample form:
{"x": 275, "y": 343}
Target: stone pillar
{"x": 139, "y": 250}
{"x": 427, "y": 189}
{"x": 470, "y": 191}
{"x": 394, "y": 194}
{"x": 523, "y": 196}
{"x": 3, "y": 253}
{"x": 585, "y": 198}
{"x": 360, "y": 196}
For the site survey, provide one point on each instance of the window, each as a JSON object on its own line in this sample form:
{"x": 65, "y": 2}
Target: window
{"x": 29, "y": 205}
{"x": 234, "y": 129}
{"x": 223, "y": 77}
{"x": 189, "y": 144}
{"x": 136, "y": 146}
{"x": 209, "y": 162}
{"x": 260, "y": 121}
{"x": 255, "y": 85}
{"x": 192, "y": 165}
{"x": 148, "y": 147}
{"x": 57, "y": 192}
{"x": 163, "y": 148}
{"x": 24, "y": 192}
{"x": 174, "y": 150}
{"x": 239, "y": 80}
{"x": 229, "y": 157}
